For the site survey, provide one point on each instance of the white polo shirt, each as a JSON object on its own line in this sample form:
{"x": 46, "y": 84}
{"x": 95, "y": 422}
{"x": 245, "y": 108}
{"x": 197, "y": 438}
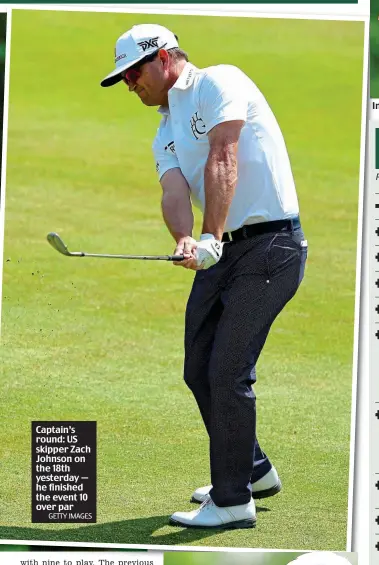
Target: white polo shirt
{"x": 199, "y": 100}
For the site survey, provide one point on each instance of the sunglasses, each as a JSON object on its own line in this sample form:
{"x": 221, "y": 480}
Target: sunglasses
{"x": 133, "y": 73}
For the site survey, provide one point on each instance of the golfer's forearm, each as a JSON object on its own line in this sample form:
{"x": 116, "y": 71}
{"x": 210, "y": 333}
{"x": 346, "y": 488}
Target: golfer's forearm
{"x": 220, "y": 181}
{"x": 177, "y": 214}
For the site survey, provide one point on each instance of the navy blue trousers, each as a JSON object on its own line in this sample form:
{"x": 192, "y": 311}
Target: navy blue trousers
{"x": 229, "y": 313}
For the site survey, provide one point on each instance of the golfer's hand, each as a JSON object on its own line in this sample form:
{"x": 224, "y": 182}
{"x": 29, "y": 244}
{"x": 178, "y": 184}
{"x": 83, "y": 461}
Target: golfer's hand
{"x": 208, "y": 251}
{"x": 186, "y": 246}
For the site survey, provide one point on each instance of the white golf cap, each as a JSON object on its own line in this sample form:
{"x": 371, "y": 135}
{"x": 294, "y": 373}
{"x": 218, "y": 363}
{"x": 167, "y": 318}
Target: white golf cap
{"x": 137, "y": 43}
{"x": 320, "y": 558}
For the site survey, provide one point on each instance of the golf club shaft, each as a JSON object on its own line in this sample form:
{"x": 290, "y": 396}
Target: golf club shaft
{"x": 58, "y": 244}
{"x": 142, "y": 257}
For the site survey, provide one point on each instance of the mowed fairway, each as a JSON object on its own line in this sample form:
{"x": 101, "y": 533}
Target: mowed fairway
{"x": 103, "y": 340}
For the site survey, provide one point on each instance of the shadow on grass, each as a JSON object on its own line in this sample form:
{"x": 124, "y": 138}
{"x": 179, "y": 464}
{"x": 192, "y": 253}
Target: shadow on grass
{"x": 140, "y": 531}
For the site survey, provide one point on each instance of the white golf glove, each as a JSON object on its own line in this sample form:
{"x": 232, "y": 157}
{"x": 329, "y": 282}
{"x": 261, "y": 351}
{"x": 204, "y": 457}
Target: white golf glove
{"x": 208, "y": 251}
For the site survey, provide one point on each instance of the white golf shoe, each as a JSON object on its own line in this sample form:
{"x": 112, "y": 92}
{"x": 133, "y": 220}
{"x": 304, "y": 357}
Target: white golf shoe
{"x": 208, "y": 515}
{"x": 267, "y": 486}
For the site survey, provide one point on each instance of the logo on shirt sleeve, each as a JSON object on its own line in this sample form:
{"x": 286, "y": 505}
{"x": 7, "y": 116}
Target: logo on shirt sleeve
{"x": 170, "y": 147}
{"x": 197, "y": 126}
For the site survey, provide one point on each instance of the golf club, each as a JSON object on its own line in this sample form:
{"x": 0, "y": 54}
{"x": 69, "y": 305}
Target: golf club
{"x": 56, "y": 241}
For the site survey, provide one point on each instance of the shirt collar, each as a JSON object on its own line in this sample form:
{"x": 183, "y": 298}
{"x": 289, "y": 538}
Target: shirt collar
{"x": 186, "y": 77}
{"x": 183, "y": 82}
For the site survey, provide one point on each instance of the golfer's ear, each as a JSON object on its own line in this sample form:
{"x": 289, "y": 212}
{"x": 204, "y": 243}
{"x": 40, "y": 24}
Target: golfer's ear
{"x": 164, "y": 57}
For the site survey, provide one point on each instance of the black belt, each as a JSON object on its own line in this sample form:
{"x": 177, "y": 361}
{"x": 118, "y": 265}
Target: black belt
{"x": 263, "y": 227}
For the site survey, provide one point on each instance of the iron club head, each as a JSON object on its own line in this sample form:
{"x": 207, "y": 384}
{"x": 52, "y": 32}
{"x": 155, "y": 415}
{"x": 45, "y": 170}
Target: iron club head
{"x": 58, "y": 244}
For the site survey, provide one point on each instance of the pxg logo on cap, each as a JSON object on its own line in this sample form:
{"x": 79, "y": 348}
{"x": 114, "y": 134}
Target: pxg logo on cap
{"x": 153, "y": 42}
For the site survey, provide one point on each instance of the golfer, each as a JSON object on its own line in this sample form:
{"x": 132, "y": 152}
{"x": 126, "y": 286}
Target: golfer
{"x": 220, "y": 147}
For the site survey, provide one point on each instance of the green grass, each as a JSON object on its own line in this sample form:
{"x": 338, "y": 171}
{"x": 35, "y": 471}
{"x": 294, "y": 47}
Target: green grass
{"x": 102, "y": 340}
